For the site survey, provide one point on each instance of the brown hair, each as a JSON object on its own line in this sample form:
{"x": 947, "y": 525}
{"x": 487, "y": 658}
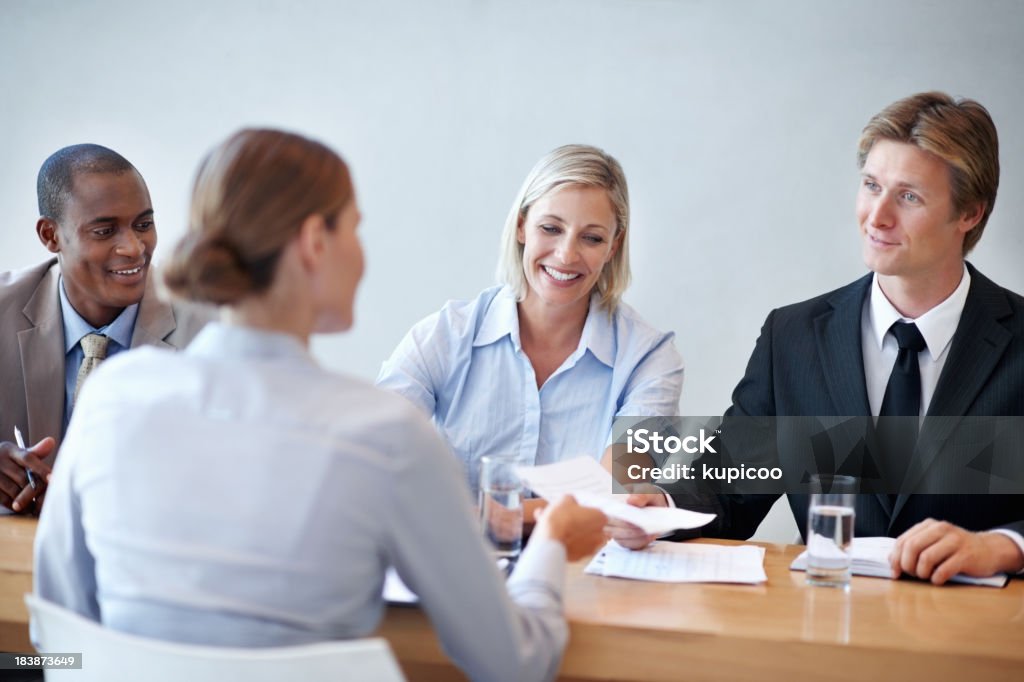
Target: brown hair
{"x": 251, "y": 195}
{"x": 958, "y": 131}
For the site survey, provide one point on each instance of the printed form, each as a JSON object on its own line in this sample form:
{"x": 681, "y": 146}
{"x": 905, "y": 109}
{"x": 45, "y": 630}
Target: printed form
{"x": 681, "y": 562}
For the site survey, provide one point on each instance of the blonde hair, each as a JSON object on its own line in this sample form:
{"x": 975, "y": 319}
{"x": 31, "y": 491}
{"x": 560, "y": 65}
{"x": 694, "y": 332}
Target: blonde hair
{"x": 571, "y": 164}
{"x": 958, "y": 131}
{"x": 251, "y": 195}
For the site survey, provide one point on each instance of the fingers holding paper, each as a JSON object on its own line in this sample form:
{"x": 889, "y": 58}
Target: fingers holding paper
{"x": 592, "y": 486}
{"x": 630, "y": 535}
{"x": 938, "y": 550}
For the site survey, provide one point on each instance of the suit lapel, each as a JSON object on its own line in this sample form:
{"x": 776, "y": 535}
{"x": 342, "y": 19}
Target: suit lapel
{"x": 977, "y": 346}
{"x": 42, "y": 357}
{"x": 838, "y": 337}
{"x": 155, "y": 321}
{"x": 842, "y": 358}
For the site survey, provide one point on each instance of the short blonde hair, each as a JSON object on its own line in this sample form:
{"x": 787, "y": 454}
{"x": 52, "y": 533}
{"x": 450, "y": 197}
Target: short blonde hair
{"x": 958, "y": 131}
{"x": 571, "y": 164}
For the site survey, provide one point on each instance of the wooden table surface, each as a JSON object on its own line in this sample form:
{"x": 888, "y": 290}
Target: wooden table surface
{"x": 16, "y": 536}
{"x": 780, "y": 630}
{"x": 783, "y": 629}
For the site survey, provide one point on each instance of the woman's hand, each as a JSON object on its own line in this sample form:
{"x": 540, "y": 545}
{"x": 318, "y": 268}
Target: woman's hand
{"x": 579, "y": 529}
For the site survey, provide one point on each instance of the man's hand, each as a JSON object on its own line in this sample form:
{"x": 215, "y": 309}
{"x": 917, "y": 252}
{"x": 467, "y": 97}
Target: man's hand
{"x": 937, "y": 550}
{"x": 579, "y": 529}
{"x": 625, "y": 533}
{"x": 15, "y": 491}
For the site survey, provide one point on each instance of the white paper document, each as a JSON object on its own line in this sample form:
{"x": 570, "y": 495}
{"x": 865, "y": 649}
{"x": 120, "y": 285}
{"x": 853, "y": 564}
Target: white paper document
{"x": 870, "y": 557}
{"x": 682, "y": 562}
{"x": 591, "y": 485}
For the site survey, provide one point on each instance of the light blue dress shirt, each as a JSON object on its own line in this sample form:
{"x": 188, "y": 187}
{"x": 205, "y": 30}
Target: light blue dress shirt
{"x": 236, "y": 494}
{"x": 75, "y": 327}
{"x": 464, "y": 366}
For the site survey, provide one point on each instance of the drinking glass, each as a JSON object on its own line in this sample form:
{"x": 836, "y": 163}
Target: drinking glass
{"x": 830, "y": 530}
{"x": 501, "y": 505}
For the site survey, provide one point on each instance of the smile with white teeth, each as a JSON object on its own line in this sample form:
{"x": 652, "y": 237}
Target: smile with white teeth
{"x": 561, "y": 276}
{"x": 133, "y": 271}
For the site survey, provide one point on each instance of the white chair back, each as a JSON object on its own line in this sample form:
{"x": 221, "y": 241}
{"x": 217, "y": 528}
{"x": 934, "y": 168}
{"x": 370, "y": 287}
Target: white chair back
{"x": 111, "y": 656}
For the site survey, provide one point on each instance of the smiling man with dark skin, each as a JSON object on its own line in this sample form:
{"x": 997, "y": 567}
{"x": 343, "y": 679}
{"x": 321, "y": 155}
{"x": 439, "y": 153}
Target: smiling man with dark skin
{"x": 96, "y": 216}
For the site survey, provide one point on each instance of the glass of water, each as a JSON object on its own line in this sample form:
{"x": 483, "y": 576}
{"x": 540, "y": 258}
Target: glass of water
{"x": 501, "y": 505}
{"x": 830, "y": 530}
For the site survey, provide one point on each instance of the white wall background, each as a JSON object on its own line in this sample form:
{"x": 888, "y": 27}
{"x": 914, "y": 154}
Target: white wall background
{"x": 736, "y": 122}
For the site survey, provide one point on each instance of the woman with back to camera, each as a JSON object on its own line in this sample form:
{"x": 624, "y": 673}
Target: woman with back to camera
{"x": 541, "y": 365}
{"x": 236, "y": 494}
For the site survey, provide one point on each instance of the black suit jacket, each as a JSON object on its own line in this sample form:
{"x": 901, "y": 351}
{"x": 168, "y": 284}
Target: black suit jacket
{"x": 808, "y": 362}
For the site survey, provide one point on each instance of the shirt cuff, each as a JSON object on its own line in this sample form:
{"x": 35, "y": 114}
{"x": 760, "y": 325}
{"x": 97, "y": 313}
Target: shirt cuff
{"x": 1017, "y": 538}
{"x": 539, "y": 575}
{"x": 671, "y": 504}
{"x": 668, "y": 498}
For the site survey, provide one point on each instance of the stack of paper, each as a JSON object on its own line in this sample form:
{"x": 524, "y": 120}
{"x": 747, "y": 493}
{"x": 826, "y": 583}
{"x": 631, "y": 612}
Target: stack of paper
{"x": 870, "y": 557}
{"x": 682, "y": 562}
{"x": 591, "y": 485}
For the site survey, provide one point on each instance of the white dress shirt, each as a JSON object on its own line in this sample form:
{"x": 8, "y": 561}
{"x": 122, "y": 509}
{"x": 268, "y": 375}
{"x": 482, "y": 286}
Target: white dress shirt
{"x": 236, "y": 494}
{"x": 879, "y": 348}
{"x": 465, "y": 368}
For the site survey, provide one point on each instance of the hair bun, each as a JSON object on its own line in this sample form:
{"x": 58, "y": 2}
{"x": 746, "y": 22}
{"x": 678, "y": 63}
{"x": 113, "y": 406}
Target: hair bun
{"x": 251, "y": 195}
{"x": 207, "y": 269}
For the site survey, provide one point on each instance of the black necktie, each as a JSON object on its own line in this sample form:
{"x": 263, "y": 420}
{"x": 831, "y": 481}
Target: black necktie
{"x": 902, "y": 399}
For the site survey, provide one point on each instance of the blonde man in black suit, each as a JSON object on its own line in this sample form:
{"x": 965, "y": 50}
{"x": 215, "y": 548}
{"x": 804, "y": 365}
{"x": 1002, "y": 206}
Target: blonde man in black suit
{"x": 929, "y": 175}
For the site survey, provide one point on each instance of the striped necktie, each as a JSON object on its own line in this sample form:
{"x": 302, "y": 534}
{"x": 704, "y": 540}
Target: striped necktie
{"x": 95, "y": 348}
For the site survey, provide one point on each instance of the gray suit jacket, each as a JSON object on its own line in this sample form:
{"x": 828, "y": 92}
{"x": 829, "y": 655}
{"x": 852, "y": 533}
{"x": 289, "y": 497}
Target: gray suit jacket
{"x": 808, "y": 362}
{"x": 32, "y": 346}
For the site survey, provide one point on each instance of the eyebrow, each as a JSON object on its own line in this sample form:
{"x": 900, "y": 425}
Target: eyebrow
{"x": 552, "y": 216}
{"x": 111, "y": 219}
{"x": 901, "y": 184}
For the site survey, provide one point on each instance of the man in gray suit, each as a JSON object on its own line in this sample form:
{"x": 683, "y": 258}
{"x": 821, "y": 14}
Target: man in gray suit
{"x": 93, "y": 300}
{"x": 924, "y": 334}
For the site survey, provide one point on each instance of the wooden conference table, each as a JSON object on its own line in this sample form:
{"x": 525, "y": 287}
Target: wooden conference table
{"x": 780, "y": 630}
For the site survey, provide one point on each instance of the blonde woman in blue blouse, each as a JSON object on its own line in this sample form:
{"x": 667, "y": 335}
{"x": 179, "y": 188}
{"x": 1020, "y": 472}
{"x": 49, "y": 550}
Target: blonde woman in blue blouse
{"x": 540, "y": 365}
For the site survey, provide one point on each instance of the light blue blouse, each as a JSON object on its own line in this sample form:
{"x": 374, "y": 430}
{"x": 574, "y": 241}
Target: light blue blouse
{"x": 464, "y": 366}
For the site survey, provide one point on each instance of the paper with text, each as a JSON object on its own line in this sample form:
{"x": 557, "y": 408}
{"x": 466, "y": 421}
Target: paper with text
{"x": 675, "y": 562}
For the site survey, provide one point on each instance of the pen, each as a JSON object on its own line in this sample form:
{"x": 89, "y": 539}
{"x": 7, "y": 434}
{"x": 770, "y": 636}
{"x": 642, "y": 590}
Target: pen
{"x": 21, "y": 444}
